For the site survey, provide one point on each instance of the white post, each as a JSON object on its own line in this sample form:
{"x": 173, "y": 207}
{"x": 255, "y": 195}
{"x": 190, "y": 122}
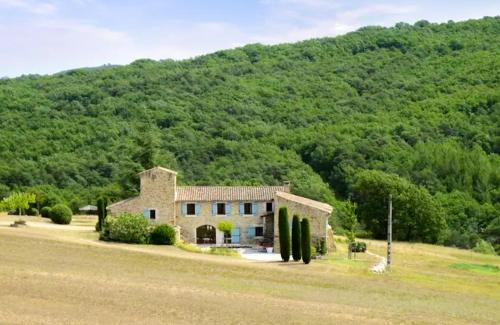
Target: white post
{"x": 389, "y": 234}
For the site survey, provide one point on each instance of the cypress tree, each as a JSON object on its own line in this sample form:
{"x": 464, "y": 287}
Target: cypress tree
{"x": 296, "y": 250}
{"x": 102, "y": 212}
{"x": 284, "y": 233}
{"x": 306, "y": 240}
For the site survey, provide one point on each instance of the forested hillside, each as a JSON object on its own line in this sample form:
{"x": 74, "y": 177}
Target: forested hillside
{"x": 413, "y": 109}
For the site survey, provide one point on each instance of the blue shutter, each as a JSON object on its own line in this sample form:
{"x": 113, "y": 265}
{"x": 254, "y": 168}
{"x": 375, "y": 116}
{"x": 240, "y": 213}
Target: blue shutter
{"x": 184, "y": 208}
{"x": 235, "y": 236}
{"x": 251, "y": 232}
{"x": 254, "y": 208}
{"x": 214, "y": 208}
{"x": 146, "y": 213}
{"x": 197, "y": 208}
{"x": 228, "y": 208}
{"x": 242, "y": 208}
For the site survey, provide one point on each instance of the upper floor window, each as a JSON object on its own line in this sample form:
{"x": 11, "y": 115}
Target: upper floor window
{"x": 221, "y": 208}
{"x": 247, "y": 208}
{"x": 190, "y": 209}
{"x": 269, "y": 207}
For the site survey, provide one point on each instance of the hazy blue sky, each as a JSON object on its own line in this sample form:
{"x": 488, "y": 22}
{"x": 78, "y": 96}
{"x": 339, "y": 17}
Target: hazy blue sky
{"x": 53, "y": 35}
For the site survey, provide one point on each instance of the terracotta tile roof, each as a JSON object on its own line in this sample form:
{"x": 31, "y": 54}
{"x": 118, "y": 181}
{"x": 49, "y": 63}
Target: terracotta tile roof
{"x": 158, "y": 168}
{"x": 304, "y": 201}
{"x": 228, "y": 193}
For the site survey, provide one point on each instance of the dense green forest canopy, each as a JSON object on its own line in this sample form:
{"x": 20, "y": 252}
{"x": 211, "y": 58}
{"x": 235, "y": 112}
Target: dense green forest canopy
{"x": 416, "y": 105}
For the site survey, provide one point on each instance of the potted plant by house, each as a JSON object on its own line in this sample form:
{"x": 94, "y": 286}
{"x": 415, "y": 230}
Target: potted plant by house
{"x": 226, "y": 227}
{"x": 268, "y": 245}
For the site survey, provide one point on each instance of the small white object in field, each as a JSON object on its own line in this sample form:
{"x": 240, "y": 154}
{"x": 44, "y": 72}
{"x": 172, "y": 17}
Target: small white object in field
{"x": 380, "y": 266}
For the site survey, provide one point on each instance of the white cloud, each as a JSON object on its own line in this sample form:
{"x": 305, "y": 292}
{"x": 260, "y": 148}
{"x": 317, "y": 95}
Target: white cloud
{"x": 380, "y": 9}
{"x": 34, "y": 7}
{"x": 54, "y": 45}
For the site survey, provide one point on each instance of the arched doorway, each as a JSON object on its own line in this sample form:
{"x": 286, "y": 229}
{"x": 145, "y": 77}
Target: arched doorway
{"x": 205, "y": 234}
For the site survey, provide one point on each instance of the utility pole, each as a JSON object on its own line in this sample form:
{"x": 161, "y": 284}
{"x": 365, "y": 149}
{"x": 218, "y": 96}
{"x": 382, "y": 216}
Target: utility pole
{"x": 389, "y": 235}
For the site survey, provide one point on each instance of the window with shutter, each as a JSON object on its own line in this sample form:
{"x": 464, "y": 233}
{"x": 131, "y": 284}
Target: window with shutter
{"x": 247, "y": 208}
{"x": 221, "y": 209}
{"x": 190, "y": 209}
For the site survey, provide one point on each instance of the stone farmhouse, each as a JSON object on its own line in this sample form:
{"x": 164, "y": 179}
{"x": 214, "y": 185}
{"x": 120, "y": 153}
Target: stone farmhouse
{"x": 197, "y": 210}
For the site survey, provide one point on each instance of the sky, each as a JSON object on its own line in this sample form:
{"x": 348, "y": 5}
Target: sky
{"x": 48, "y": 36}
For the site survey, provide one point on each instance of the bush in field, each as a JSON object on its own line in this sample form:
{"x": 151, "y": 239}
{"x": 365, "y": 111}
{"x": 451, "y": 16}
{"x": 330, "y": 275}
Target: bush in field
{"x": 296, "y": 251}
{"x": 129, "y": 228}
{"x": 45, "y": 212}
{"x": 163, "y": 235}
{"x": 32, "y": 212}
{"x": 306, "y": 240}
{"x": 484, "y": 247}
{"x": 61, "y": 214}
{"x": 321, "y": 247}
{"x": 284, "y": 233}
{"x": 358, "y": 247}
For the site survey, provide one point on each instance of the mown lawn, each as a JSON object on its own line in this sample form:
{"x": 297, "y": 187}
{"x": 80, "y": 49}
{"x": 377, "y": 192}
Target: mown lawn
{"x": 57, "y": 276}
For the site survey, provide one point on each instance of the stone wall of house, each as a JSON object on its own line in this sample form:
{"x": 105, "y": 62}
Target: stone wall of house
{"x": 157, "y": 192}
{"x": 318, "y": 219}
{"x": 188, "y": 223}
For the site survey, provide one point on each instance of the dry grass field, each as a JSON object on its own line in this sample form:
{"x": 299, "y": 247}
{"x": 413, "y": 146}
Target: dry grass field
{"x": 63, "y": 275}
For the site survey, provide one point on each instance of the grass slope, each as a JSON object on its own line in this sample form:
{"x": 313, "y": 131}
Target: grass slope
{"x": 50, "y": 275}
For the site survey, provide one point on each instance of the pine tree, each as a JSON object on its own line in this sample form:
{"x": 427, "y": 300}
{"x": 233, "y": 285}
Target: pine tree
{"x": 306, "y": 240}
{"x": 284, "y": 234}
{"x": 296, "y": 249}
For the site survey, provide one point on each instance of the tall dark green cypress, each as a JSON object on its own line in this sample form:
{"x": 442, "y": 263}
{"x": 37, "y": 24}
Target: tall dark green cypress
{"x": 306, "y": 240}
{"x": 284, "y": 234}
{"x": 296, "y": 249}
{"x": 102, "y": 212}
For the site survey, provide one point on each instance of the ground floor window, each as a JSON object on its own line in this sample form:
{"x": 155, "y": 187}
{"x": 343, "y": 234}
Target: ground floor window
{"x": 259, "y": 231}
{"x": 150, "y": 214}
